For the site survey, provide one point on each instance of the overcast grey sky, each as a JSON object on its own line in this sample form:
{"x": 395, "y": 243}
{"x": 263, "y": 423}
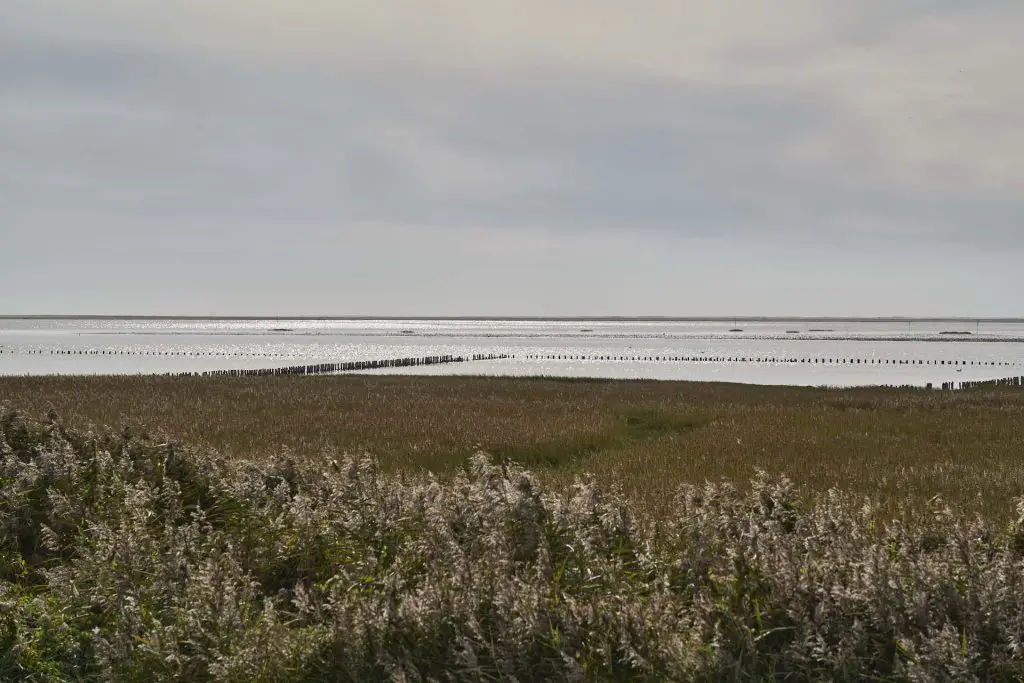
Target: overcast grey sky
{"x": 512, "y": 157}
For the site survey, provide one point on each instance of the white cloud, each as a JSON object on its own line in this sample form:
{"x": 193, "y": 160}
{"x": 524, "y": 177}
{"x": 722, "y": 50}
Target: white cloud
{"x": 934, "y": 106}
{"x": 441, "y": 166}
{"x": 926, "y": 98}
{"x": 689, "y": 41}
{"x": 569, "y": 135}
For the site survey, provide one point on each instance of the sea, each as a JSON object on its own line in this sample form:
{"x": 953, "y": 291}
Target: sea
{"x": 819, "y": 352}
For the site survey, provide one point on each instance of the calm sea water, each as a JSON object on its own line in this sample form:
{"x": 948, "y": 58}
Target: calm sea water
{"x": 89, "y": 346}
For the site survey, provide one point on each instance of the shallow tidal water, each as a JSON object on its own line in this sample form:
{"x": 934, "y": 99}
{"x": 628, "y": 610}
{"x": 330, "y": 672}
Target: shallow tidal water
{"x": 817, "y": 353}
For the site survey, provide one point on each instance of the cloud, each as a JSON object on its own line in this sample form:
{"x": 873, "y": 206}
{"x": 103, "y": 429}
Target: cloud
{"x": 928, "y": 107}
{"x": 510, "y": 130}
{"x": 920, "y": 94}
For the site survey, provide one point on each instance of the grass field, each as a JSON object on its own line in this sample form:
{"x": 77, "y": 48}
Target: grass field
{"x": 901, "y": 446}
{"x": 130, "y": 559}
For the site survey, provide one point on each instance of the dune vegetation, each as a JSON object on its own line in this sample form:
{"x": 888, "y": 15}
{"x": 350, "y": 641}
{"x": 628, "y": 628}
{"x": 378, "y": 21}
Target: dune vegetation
{"x": 126, "y": 558}
{"x": 413, "y": 529}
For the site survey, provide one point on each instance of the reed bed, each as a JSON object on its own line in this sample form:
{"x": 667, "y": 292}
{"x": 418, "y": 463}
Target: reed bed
{"x": 125, "y": 558}
{"x": 900, "y": 446}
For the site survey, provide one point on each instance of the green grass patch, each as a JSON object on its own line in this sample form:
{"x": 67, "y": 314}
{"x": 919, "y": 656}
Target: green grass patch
{"x": 648, "y": 423}
{"x": 631, "y": 424}
{"x": 553, "y": 454}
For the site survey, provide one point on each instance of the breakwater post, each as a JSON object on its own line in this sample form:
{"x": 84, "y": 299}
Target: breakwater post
{"x": 348, "y": 366}
{"x": 981, "y": 384}
{"x": 768, "y": 359}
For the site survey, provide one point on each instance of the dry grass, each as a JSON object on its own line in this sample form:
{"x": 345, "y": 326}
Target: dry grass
{"x": 899, "y": 446}
{"x": 126, "y": 559}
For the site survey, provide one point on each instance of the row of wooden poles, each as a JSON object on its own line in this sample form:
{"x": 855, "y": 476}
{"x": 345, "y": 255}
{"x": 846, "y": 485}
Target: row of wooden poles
{"x": 763, "y": 359}
{"x": 130, "y": 352}
{"x": 685, "y": 359}
{"x": 348, "y": 366}
{"x": 979, "y": 384}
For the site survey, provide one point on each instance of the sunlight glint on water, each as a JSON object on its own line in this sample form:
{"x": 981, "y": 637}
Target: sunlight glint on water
{"x": 569, "y": 348}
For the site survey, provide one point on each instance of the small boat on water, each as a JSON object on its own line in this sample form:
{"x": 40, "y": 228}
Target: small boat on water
{"x": 281, "y": 329}
{"x": 408, "y": 332}
{"x": 954, "y": 332}
{"x": 736, "y": 329}
{"x": 586, "y": 329}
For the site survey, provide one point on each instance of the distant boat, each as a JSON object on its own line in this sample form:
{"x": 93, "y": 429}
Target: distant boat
{"x": 792, "y": 331}
{"x": 408, "y": 332}
{"x": 954, "y": 332}
{"x": 281, "y": 329}
{"x": 586, "y": 329}
{"x": 736, "y": 329}
{"x": 819, "y": 330}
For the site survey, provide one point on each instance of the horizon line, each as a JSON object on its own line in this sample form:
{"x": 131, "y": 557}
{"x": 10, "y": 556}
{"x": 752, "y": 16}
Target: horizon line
{"x": 491, "y": 318}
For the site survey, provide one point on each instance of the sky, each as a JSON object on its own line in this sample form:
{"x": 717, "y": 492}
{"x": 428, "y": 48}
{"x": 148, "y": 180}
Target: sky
{"x": 512, "y": 157}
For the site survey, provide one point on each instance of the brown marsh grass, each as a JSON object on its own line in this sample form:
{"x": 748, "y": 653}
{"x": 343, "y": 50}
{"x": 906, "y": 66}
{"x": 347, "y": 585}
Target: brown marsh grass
{"x": 901, "y": 446}
{"x": 128, "y": 559}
